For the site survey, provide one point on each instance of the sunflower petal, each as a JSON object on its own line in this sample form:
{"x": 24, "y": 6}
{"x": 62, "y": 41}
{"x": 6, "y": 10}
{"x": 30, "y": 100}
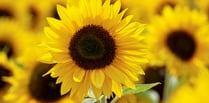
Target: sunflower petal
{"x": 97, "y": 78}
{"x": 78, "y": 75}
{"x": 117, "y": 88}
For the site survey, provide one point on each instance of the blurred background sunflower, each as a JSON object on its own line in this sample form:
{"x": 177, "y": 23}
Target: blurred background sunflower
{"x": 13, "y": 11}
{"x": 7, "y": 69}
{"x": 193, "y": 91}
{"x": 13, "y": 38}
{"x": 32, "y": 87}
{"x": 143, "y": 11}
{"x": 37, "y": 12}
{"x": 181, "y": 33}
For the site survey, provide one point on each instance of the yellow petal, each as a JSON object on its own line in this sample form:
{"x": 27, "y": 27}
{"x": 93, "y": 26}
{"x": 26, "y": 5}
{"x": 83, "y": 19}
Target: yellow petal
{"x": 124, "y": 23}
{"x": 97, "y": 92}
{"x": 78, "y": 75}
{"x": 117, "y": 88}
{"x": 65, "y": 87}
{"x": 63, "y": 14}
{"x": 115, "y": 74}
{"x": 45, "y": 58}
{"x": 116, "y": 7}
{"x": 97, "y": 78}
{"x": 107, "y": 88}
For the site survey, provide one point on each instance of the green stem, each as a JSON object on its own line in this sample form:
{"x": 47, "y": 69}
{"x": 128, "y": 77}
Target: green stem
{"x": 170, "y": 84}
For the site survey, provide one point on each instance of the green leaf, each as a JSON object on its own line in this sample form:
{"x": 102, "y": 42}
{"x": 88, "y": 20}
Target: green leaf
{"x": 139, "y": 88}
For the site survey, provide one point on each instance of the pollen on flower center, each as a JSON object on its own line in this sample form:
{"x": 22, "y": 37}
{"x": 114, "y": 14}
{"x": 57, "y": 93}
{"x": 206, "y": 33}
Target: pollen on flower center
{"x": 44, "y": 89}
{"x": 3, "y": 72}
{"x": 6, "y": 13}
{"x": 6, "y": 47}
{"x": 181, "y": 44}
{"x": 92, "y": 47}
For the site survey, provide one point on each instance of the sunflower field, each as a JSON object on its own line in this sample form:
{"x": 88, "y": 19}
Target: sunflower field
{"x": 104, "y": 51}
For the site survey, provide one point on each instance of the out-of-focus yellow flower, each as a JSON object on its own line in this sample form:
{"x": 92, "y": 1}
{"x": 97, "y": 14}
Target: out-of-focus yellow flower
{"x": 28, "y": 59}
{"x": 203, "y": 5}
{"x": 38, "y": 10}
{"x": 143, "y": 11}
{"x": 179, "y": 39}
{"x": 13, "y": 10}
{"x": 36, "y": 13}
{"x": 29, "y": 86}
{"x": 13, "y": 39}
{"x": 95, "y": 47}
{"x": 194, "y": 91}
{"x": 35, "y": 88}
{"x": 7, "y": 68}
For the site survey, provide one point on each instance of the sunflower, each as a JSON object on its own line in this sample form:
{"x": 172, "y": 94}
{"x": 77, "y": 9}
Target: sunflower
{"x": 36, "y": 13}
{"x": 193, "y": 91}
{"x": 13, "y": 11}
{"x": 38, "y": 10}
{"x": 35, "y": 88}
{"x": 29, "y": 86}
{"x": 144, "y": 11}
{"x": 95, "y": 47}
{"x": 203, "y": 5}
{"x": 28, "y": 58}
{"x": 13, "y": 39}
{"x": 179, "y": 39}
{"x": 6, "y": 70}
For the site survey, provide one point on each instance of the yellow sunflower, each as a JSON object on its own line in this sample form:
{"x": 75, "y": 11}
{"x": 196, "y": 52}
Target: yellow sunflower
{"x": 6, "y": 70}
{"x": 13, "y": 11}
{"x": 29, "y": 58}
{"x": 194, "y": 91}
{"x": 36, "y": 13}
{"x": 144, "y": 11}
{"x": 203, "y": 5}
{"x": 94, "y": 46}
{"x": 13, "y": 39}
{"x": 179, "y": 39}
{"x": 29, "y": 86}
{"x": 35, "y": 88}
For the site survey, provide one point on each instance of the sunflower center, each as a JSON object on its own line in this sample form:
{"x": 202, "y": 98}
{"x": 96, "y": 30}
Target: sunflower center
{"x": 3, "y": 72}
{"x": 92, "y": 47}
{"x": 6, "y": 47}
{"x": 181, "y": 44}
{"x": 44, "y": 89}
{"x": 6, "y": 13}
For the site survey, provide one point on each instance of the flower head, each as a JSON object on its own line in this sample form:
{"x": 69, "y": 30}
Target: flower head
{"x": 94, "y": 46}
{"x": 179, "y": 39}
